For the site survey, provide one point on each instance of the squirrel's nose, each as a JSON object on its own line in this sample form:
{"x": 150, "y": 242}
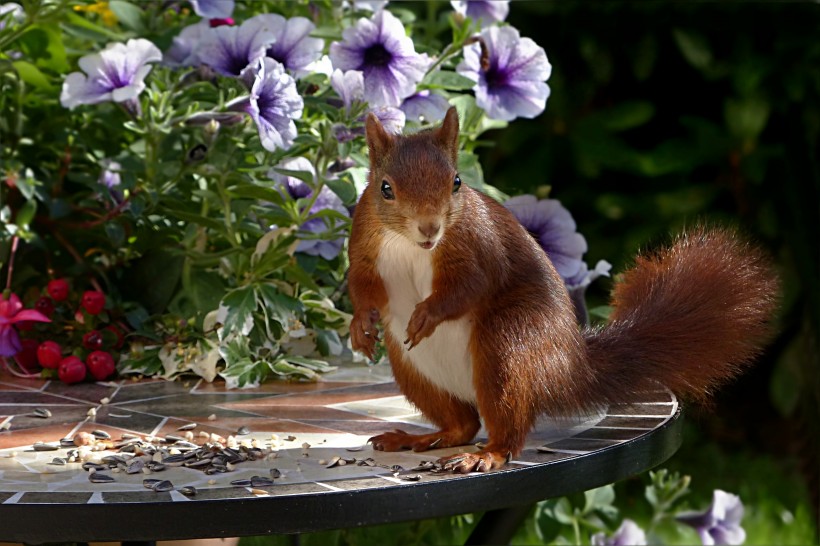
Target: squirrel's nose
{"x": 429, "y": 229}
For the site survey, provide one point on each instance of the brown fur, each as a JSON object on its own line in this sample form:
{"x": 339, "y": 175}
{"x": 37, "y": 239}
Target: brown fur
{"x": 690, "y": 316}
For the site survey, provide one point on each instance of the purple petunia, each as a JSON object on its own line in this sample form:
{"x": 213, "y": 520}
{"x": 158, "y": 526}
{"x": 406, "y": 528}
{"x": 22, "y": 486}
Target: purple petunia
{"x": 510, "y": 74}
{"x": 229, "y": 50}
{"x": 628, "y": 534}
{"x": 273, "y": 103}
{"x": 425, "y": 107}
{"x": 184, "y": 46}
{"x": 110, "y": 175}
{"x": 292, "y": 46}
{"x": 114, "y": 74}
{"x": 327, "y": 199}
{"x": 349, "y": 86}
{"x": 720, "y": 523}
{"x": 485, "y": 11}
{"x": 213, "y": 9}
{"x": 384, "y": 53}
{"x": 554, "y": 228}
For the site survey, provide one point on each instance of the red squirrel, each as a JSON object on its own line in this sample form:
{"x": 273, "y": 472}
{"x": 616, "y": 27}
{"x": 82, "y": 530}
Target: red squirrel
{"x": 479, "y": 325}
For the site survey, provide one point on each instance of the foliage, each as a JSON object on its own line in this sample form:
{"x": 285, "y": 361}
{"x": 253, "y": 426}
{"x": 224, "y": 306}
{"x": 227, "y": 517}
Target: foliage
{"x": 172, "y": 188}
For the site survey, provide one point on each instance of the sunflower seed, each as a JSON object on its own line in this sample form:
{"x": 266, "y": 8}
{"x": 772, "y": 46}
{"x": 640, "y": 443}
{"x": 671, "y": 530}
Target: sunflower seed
{"x": 59, "y": 461}
{"x": 174, "y": 460}
{"x": 101, "y": 434}
{"x": 43, "y": 446}
{"x": 88, "y": 465}
{"x": 154, "y": 466}
{"x": 96, "y": 477}
{"x": 243, "y": 430}
{"x": 42, "y": 413}
{"x": 333, "y": 462}
{"x": 188, "y": 491}
{"x": 261, "y": 481}
{"x": 189, "y": 426}
{"x": 135, "y": 466}
{"x": 275, "y": 473}
{"x": 241, "y": 483}
{"x": 410, "y": 477}
{"x": 163, "y": 486}
{"x": 149, "y": 483}
{"x": 67, "y": 442}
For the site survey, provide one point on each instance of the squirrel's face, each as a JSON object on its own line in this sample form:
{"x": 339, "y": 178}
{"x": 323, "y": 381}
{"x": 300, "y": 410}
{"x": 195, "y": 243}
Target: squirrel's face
{"x": 420, "y": 204}
{"x": 414, "y": 182}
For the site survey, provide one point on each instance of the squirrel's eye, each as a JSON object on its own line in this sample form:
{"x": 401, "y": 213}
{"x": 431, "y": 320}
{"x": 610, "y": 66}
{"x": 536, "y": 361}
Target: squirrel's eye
{"x": 456, "y": 184}
{"x": 387, "y": 191}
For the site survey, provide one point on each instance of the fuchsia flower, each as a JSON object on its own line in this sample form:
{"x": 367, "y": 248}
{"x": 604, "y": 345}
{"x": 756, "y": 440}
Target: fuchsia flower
{"x": 11, "y": 313}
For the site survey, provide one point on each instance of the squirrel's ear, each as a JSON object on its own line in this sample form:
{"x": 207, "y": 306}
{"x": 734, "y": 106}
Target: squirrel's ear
{"x": 379, "y": 141}
{"x": 447, "y": 134}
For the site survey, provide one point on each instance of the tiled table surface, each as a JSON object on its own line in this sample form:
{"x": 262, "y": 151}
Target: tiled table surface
{"x": 333, "y": 415}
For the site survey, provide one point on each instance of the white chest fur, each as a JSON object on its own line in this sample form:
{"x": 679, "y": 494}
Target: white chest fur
{"x": 443, "y": 357}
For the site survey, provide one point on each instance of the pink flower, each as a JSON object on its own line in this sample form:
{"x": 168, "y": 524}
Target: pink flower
{"x": 11, "y": 312}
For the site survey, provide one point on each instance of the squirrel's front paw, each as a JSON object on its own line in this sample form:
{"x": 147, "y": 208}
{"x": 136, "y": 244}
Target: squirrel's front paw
{"x": 363, "y": 332}
{"x": 422, "y": 324}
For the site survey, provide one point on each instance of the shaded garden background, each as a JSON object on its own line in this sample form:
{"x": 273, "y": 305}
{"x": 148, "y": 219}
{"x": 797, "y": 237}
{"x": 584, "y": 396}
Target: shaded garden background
{"x": 666, "y": 113}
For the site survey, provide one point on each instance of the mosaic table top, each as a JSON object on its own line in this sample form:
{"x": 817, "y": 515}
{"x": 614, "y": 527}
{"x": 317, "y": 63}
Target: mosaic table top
{"x": 298, "y": 459}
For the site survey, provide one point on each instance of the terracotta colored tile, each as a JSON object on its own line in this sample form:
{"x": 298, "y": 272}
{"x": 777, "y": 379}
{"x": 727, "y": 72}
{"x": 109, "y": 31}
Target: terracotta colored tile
{"x": 276, "y": 387}
{"x": 308, "y": 413}
{"x": 339, "y": 396}
{"x": 27, "y": 436}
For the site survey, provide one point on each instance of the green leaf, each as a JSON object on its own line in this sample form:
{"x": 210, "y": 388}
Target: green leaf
{"x": 128, "y": 14}
{"x": 284, "y": 368}
{"x": 281, "y": 307}
{"x": 328, "y": 342}
{"x": 694, "y": 47}
{"x": 345, "y": 188}
{"x": 305, "y": 176}
{"x": 626, "y": 115}
{"x": 445, "y": 79}
{"x": 562, "y": 512}
{"x": 261, "y": 193}
{"x": 241, "y": 303}
{"x": 148, "y": 364}
{"x": 115, "y": 233}
{"x": 205, "y": 290}
{"x": 245, "y": 373}
{"x": 43, "y": 43}
{"x": 32, "y": 75}
{"x": 599, "y": 498}
{"x": 26, "y": 213}
{"x": 83, "y": 28}
{"x": 310, "y": 363}
{"x": 746, "y": 118}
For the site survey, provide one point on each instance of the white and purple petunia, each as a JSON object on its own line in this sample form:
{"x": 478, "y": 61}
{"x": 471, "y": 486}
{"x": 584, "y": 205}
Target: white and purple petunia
{"x": 110, "y": 175}
{"x": 273, "y": 103}
{"x": 628, "y": 534}
{"x": 11, "y": 12}
{"x": 349, "y": 86}
{"x": 292, "y": 46}
{"x": 425, "y": 107}
{"x": 554, "y": 228}
{"x": 229, "y": 50}
{"x": 116, "y": 73}
{"x": 510, "y": 74}
{"x": 315, "y": 245}
{"x": 720, "y": 523}
{"x": 213, "y": 9}
{"x": 384, "y": 53}
{"x": 487, "y": 12}
{"x": 185, "y": 46}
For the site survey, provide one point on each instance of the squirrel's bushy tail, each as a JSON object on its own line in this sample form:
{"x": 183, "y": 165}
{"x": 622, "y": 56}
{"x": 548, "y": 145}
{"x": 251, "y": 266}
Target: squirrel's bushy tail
{"x": 690, "y": 316}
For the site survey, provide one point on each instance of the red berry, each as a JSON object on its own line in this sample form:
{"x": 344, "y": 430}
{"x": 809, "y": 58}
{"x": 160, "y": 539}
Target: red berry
{"x": 93, "y": 340}
{"x": 100, "y": 364}
{"x": 71, "y": 370}
{"x": 58, "y": 289}
{"x": 26, "y": 358}
{"x": 49, "y": 354}
{"x": 45, "y": 305}
{"x": 93, "y": 302}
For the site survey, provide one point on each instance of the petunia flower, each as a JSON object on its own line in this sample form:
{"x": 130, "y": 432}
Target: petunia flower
{"x": 213, "y": 9}
{"x": 392, "y": 119}
{"x": 425, "y": 107}
{"x": 348, "y": 85}
{"x": 384, "y": 53}
{"x": 273, "y": 103}
{"x": 367, "y": 5}
{"x": 184, "y": 46}
{"x": 11, "y": 313}
{"x": 114, "y": 74}
{"x": 11, "y": 12}
{"x": 720, "y": 523}
{"x": 229, "y": 50}
{"x": 485, "y": 11}
{"x": 327, "y": 199}
{"x": 628, "y": 534}
{"x": 293, "y": 46}
{"x": 555, "y": 230}
{"x": 509, "y": 72}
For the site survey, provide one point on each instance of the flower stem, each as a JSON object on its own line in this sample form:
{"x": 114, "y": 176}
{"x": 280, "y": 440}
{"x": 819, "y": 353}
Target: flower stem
{"x": 14, "y": 242}
{"x": 9, "y": 368}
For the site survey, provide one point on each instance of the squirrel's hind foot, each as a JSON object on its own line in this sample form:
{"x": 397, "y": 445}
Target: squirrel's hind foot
{"x": 399, "y": 440}
{"x": 481, "y": 461}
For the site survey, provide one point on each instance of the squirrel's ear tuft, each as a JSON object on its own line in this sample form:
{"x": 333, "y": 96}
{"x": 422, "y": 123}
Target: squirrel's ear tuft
{"x": 379, "y": 141}
{"x": 447, "y": 134}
